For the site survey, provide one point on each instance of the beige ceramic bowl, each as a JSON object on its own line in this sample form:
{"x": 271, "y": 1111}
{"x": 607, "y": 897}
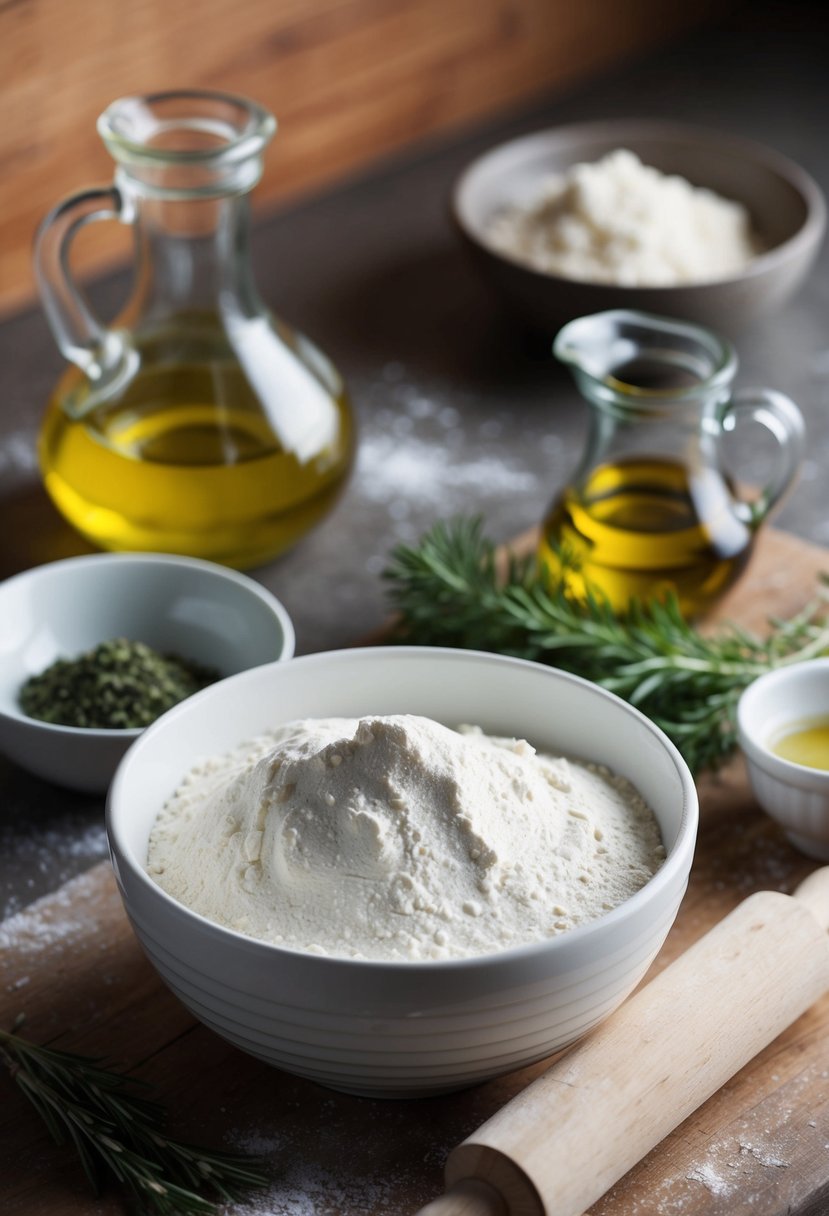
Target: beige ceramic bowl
{"x": 786, "y": 206}
{"x": 397, "y": 1029}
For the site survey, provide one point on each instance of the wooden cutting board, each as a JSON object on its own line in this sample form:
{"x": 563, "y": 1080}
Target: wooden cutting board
{"x": 760, "y": 1146}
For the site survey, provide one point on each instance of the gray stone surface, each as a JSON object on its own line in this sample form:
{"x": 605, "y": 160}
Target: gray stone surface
{"x": 454, "y": 416}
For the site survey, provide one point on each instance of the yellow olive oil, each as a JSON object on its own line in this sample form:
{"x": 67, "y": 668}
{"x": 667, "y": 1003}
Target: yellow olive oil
{"x": 184, "y": 459}
{"x": 641, "y": 527}
{"x": 807, "y": 744}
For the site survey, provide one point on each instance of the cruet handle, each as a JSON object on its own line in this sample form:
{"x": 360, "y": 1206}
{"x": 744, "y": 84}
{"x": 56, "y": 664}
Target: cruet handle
{"x": 82, "y": 338}
{"x": 781, "y": 417}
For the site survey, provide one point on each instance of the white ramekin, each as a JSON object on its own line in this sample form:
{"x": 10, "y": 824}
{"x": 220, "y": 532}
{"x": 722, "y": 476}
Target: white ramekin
{"x": 795, "y": 796}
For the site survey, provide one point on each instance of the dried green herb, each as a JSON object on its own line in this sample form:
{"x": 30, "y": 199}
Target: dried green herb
{"x": 118, "y": 685}
{"x": 118, "y": 1132}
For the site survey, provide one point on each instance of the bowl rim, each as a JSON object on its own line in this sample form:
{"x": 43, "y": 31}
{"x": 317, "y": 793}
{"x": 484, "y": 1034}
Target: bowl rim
{"x": 83, "y": 561}
{"x": 678, "y": 860}
{"x": 756, "y": 750}
{"x": 807, "y": 235}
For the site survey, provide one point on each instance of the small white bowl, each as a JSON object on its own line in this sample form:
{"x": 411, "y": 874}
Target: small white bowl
{"x": 196, "y": 609}
{"x": 397, "y": 1029}
{"x": 795, "y": 796}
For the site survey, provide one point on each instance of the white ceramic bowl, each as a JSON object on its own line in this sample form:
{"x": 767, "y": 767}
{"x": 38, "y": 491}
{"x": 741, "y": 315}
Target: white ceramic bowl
{"x": 795, "y": 796}
{"x": 196, "y": 609}
{"x": 402, "y": 1029}
{"x": 787, "y": 209}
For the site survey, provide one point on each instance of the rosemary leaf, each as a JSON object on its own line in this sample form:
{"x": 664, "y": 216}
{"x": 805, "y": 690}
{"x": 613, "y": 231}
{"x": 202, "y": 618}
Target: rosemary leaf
{"x": 115, "y": 1130}
{"x": 448, "y": 592}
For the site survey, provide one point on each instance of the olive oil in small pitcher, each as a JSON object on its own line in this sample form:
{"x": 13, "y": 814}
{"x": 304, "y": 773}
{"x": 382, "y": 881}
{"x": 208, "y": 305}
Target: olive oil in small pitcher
{"x": 199, "y": 423}
{"x": 650, "y": 508}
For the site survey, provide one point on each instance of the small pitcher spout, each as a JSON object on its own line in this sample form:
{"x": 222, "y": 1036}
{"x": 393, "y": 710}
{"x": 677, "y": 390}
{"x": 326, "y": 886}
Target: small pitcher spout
{"x": 642, "y": 353}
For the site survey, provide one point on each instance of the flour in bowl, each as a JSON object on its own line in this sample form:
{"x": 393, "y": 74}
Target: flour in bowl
{"x": 619, "y": 221}
{"x": 397, "y": 838}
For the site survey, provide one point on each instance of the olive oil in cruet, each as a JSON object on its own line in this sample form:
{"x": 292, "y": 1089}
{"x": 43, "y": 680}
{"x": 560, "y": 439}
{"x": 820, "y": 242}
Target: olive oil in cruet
{"x": 650, "y": 510}
{"x": 199, "y": 423}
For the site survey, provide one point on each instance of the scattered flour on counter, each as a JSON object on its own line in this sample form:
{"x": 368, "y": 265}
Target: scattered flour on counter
{"x": 306, "y": 1190}
{"x": 619, "y": 221}
{"x": 421, "y": 472}
{"x": 18, "y": 451}
{"x": 397, "y": 838}
{"x": 59, "y": 919}
{"x": 713, "y": 1181}
{"x": 56, "y": 853}
{"x": 761, "y": 1153}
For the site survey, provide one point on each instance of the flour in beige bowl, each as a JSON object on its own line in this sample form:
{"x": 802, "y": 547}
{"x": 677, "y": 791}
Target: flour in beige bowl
{"x": 397, "y": 838}
{"x": 619, "y": 221}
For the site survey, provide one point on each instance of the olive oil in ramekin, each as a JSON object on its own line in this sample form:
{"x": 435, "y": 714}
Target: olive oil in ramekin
{"x": 186, "y": 460}
{"x": 641, "y": 527}
{"x": 807, "y": 743}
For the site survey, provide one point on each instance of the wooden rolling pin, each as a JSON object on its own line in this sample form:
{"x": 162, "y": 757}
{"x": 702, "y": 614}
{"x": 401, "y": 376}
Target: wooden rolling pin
{"x": 558, "y": 1146}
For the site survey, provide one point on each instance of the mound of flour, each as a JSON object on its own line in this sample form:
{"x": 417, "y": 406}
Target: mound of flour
{"x": 397, "y": 838}
{"x": 619, "y": 221}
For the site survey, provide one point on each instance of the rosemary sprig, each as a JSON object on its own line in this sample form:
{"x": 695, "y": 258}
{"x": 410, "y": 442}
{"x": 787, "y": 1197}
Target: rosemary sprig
{"x": 450, "y": 590}
{"x": 117, "y": 1130}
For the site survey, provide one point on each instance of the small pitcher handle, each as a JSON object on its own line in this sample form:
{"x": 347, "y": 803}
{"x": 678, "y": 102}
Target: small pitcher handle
{"x": 82, "y": 338}
{"x": 779, "y": 415}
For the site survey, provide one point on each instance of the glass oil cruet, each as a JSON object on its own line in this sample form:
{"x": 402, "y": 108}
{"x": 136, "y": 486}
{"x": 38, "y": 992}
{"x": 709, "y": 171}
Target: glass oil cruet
{"x": 198, "y": 423}
{"x": 651, "y": 507}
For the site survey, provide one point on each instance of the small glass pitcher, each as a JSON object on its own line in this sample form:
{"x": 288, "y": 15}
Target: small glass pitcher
{"x": 651, "y": 507}
{"x": 199, "y": 423}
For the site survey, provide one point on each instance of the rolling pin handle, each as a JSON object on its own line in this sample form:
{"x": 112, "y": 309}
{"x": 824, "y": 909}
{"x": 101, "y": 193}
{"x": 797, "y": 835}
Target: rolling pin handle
{"x": 814, "y": 892}
{"x": 470, "y": 1197}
